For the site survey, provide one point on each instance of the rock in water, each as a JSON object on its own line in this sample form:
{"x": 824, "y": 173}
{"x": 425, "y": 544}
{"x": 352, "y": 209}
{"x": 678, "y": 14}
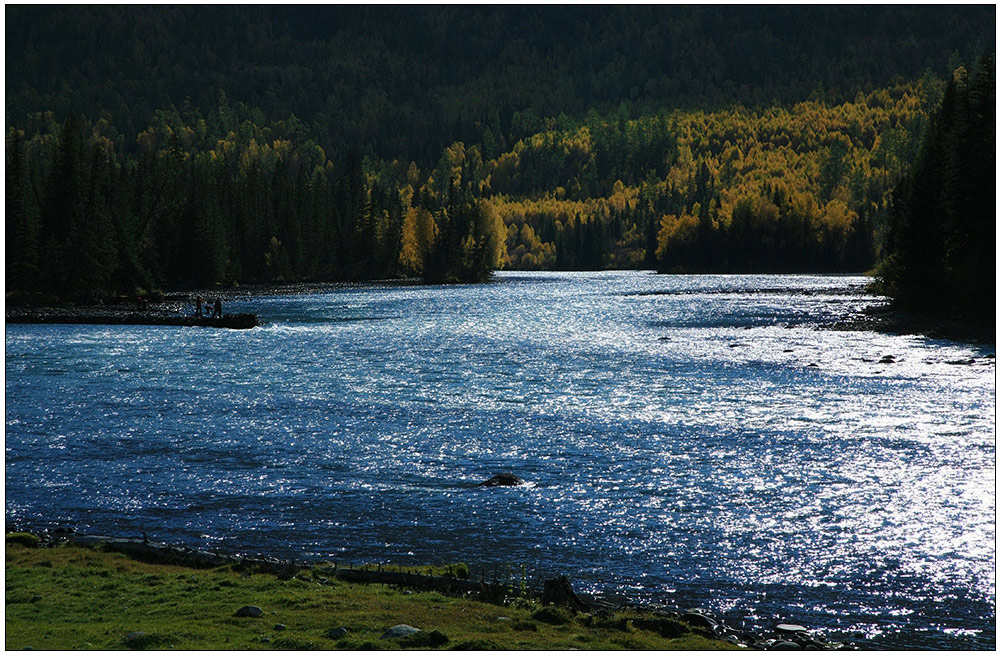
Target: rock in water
{"x": 399, "y": 631}
{"x": 249, "y": 611}
{"x": 499, "y": 480}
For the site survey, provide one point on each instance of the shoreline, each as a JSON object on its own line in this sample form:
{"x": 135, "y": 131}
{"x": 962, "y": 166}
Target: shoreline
{"x": 153, "y": 316}
{"x": 175, "y": 308}
{"x": 455, "y": 583}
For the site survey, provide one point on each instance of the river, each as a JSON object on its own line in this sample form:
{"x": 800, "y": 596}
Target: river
{"x": 701, "y": 441}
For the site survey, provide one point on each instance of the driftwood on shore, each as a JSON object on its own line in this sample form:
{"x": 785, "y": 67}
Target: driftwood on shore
{"x": 134, "y": 318}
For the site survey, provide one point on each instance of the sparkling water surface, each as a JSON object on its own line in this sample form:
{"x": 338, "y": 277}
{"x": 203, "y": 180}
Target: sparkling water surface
{"x": 690, "y": 440}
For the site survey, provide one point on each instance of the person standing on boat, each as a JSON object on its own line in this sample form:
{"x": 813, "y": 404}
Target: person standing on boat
{"x": 198, "y": 306}
{"x": 217, "y": 308}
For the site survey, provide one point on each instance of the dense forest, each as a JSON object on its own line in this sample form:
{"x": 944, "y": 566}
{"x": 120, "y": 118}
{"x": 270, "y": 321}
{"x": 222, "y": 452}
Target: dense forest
{"x": 942, "y": 242}
{"x": 783, "y": 189}
{"x": 167, "y": 146}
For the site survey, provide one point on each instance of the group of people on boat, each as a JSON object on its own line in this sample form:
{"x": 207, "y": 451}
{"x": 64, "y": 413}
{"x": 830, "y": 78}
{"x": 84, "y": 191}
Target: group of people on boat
{"x": 203, "y": 309}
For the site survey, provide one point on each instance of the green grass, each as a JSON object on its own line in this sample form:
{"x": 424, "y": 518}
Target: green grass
{"x": 69, "y": 597}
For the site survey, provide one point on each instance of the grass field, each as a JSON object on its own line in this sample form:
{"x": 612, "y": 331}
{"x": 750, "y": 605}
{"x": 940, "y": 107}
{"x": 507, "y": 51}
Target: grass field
{"x": 71, "y": 597}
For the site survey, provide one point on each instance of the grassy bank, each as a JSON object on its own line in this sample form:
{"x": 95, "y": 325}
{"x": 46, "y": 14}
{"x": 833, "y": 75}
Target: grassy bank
{"x": 72, "y": 597}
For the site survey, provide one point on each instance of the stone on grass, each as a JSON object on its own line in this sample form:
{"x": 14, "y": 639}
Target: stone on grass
{"x": 336, "y": 634}
{"x": 249, "y": 611}
{"x": 424, "y": 640}
{"x": 399, "y": 631}
{"x": 140, "y": 640}
{"x": 558, "y": 592}
{"x": 699, "y": 620}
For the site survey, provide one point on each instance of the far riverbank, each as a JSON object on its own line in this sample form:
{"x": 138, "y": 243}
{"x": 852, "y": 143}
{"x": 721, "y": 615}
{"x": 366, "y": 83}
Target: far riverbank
{"x": 176, "y": 306}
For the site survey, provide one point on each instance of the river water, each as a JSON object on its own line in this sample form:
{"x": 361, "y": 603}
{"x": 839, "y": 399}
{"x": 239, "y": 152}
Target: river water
{"x": 701, "y": 441}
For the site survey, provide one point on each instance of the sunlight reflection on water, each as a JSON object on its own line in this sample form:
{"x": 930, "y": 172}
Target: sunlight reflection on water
{"x": 695, "y": 439}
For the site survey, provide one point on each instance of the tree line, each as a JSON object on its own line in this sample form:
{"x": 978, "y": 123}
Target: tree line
{"x": 224, "y": 200}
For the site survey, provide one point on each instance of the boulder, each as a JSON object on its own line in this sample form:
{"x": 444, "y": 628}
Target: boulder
{"x": 424, "y": 640}
{"x": 699, "y": 620}
{"x": 499, "y": 480}
{"x": 249, "y": 611}
{"x": 141, "y": 640}
{"x": 399, "y": 631}
{"x": 785, "y": 645}
{"x": 337, "y": 634}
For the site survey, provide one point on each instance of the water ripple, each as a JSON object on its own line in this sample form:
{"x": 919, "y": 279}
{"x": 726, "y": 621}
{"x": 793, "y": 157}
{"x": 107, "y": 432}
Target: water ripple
{"x": 695, "y": 440}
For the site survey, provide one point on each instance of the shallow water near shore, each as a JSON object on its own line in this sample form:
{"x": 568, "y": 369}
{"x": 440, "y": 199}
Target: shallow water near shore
{"x": 690, "y": 440}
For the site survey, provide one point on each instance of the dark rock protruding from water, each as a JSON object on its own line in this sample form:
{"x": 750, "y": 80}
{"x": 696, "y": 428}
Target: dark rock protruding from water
{"x": 501, "y": 480}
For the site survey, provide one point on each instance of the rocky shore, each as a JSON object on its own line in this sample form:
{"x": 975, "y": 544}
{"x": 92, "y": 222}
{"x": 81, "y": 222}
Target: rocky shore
{"x": 557, "y": 593}
{"x": 176, "y": 309}
{"x": 887, "y": 319}
{"x": 173, "y": 307}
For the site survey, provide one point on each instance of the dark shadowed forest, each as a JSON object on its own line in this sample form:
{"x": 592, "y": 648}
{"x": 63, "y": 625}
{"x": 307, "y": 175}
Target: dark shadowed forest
{"x": 942, "y": 240}
{"x": 166, "y": 146}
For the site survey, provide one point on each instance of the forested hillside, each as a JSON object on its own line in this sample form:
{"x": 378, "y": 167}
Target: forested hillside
{"x": 151, "y": 146}
{"x": 408, "y": 81}
{"x": 784, "y": 189}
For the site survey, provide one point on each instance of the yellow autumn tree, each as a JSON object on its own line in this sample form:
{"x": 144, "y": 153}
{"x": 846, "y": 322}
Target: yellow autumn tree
{"x": 418, "y": 234}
